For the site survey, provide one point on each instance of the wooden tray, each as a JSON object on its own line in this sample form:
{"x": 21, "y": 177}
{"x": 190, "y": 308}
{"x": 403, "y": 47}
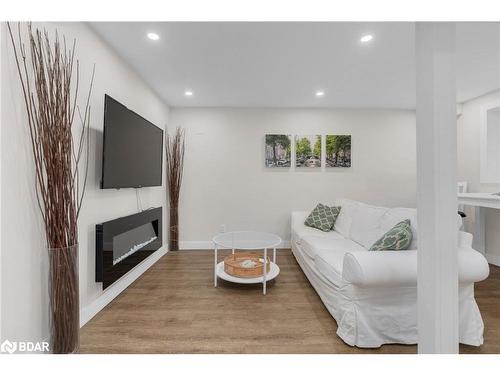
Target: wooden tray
{"x": 233, "y": 265}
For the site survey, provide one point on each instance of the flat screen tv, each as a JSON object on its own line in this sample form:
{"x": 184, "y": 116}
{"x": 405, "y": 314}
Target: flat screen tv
{"x": 132, "y": 149}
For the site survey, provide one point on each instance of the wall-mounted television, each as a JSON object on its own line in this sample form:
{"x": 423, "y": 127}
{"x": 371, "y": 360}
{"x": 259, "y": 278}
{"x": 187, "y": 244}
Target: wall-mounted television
{"x": 132, "y": 149}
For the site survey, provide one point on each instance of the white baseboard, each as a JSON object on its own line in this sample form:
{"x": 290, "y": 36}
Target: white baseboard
{"x": 88, "y": 312}
{"x": 208, "y": 245}
{"x": 196, "y": 245}
{"x": 493, "y": 259}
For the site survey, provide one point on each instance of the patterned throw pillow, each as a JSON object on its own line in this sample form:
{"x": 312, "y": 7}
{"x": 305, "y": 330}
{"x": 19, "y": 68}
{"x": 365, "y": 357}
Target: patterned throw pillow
{"x": 322, "y": 217}
{"x": 397, "y": 238}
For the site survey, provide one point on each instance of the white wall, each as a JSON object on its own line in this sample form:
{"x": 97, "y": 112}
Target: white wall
{"x": 225, "y": 181}
{"x": 469, "y": 170}
{"x": 24, "y": 307}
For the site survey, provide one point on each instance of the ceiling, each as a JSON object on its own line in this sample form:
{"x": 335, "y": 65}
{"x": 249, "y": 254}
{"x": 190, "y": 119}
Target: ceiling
{"x": 247, "y": 64}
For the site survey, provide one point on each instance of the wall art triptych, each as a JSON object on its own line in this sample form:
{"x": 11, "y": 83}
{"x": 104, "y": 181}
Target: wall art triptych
{"x": 308, "y": 150}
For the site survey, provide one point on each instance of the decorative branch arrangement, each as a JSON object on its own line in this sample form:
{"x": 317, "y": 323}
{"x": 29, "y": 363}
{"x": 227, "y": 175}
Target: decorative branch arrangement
{"x": 46, "y": 72}
{"x": 175, "y": 164}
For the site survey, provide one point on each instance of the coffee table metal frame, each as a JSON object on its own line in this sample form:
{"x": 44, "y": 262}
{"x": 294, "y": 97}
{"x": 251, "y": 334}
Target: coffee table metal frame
{"x": 246, "y": 241}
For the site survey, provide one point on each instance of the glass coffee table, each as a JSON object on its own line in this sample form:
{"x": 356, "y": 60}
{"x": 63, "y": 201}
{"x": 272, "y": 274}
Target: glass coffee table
{"x": 246, "y": 240}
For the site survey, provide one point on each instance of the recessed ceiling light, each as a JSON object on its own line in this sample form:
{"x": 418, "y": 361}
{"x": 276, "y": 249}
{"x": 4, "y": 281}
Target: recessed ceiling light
{"x": 153, "y": 36}
{"x": 188, "y": 93}
{"x": 320, "y": 93}
{"x": 366, "y": 38}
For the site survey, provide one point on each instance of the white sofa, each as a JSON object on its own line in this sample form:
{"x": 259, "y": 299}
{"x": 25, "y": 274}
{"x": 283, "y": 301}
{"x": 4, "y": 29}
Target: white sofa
{"x": 373, "y": 294}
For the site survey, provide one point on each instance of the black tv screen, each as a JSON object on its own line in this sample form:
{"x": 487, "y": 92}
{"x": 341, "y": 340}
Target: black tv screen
{"x": 132, "y": 149}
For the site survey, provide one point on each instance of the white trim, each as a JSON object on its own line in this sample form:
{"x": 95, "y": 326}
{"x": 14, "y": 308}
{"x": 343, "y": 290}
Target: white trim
{"x": 437, "y": 287}
{"x": 479, "y": 200}
{"x": 196, "y": 245}
{"x": 493, "y": 259}
{"x": 88, "y": 312}
{"x": 208, "y": 245}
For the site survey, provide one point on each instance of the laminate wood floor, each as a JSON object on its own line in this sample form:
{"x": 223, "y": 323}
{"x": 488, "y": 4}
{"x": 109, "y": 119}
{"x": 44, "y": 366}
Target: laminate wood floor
{"x": 174, "y": 308}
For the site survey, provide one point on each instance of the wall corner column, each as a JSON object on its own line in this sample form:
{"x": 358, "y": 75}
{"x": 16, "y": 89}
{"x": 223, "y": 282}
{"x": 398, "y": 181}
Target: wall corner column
{"x": 436, "y": 188}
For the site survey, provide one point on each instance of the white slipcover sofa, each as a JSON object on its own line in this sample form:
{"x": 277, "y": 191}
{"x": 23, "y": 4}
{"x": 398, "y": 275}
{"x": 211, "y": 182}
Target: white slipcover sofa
{"x": 373, "y": 294}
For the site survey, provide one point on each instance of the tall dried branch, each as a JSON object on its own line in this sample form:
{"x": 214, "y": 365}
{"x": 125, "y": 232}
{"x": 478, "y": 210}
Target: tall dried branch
{"x": 50, "y": 88}
{"x": 175, "y": 147}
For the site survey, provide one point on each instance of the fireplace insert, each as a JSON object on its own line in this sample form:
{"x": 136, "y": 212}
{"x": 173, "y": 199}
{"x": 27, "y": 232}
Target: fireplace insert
{"x": 123, "y": 243}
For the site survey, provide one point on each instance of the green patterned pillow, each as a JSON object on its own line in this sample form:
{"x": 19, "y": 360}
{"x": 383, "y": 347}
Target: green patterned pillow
{"x": 397, "y": 238}
{"x": 322, "y": 217}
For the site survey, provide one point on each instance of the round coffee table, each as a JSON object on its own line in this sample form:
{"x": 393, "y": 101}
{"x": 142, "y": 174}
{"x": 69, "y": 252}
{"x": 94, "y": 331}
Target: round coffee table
{"x": 246, "y": 240}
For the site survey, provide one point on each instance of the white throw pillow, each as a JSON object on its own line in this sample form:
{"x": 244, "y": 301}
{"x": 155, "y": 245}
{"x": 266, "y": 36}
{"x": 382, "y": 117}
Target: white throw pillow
{"x": 365, "y": 226}
{"x": 344, "y": 220}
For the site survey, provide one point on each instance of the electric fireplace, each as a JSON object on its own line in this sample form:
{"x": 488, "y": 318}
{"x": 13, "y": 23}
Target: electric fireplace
{"x": 123, "y": 243}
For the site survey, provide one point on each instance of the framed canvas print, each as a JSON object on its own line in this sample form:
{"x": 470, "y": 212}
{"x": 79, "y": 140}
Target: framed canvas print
{"x": 308, "y": 151}
{"x": 278, "y": 150}
{"x": 338, "y": 151}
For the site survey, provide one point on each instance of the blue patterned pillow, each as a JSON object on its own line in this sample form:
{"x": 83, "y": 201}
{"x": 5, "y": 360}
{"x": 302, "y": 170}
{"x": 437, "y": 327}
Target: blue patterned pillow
{"x": 397, "y": 238}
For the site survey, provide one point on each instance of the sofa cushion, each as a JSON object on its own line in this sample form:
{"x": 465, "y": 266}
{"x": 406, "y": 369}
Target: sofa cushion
{"x": 299, "y": 233}
{"x": 322, "y": 217}
{"x": 299, "y": 230}
{"x": 329, "y": 260}
{"x": 365, "y": 226}
{"x": 347, "y": 209}
{"x": 311, "y": 244}
{"x": 397, "y": 238}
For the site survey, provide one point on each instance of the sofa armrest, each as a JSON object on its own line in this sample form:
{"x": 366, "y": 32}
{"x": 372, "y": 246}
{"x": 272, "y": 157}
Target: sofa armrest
{"x": 399, "y": 268}
{"x": 472, "y": 265}
{"x": 378, "y": 268}
{"x": 464, "y": 239}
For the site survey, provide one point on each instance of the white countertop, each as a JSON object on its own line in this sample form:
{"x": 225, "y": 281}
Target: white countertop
{"x": 479, "y": 199}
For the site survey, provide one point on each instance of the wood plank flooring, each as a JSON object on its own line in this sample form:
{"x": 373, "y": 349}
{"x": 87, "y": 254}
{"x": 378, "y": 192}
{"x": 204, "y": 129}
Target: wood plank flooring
{"x": 174, "y": 308}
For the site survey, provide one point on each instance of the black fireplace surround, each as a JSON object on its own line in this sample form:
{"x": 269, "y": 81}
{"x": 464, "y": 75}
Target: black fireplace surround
{"x": 123, "y": 243}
